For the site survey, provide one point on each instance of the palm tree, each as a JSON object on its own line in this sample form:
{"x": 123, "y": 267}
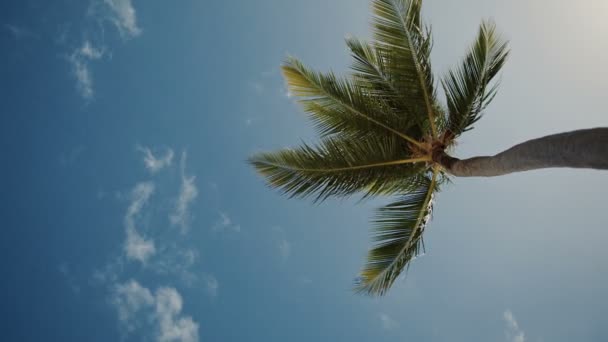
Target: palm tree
{"x": 385, "y": 133}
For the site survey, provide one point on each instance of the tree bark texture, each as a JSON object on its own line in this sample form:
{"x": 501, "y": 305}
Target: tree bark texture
{"x": 586, "y": 148}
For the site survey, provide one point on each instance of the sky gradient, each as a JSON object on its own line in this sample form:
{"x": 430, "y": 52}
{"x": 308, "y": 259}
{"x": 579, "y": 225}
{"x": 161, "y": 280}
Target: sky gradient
{"x": 130, "y": 214}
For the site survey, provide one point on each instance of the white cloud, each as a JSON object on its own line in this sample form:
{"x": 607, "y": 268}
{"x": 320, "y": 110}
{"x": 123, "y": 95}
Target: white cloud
{"x": 181, "y": 214}
{"x": 172, "y": 326}
{"x": 388, "y": 323}
{"x": 138, "y": 247}
{"x": 129, "y": 299}
{"x": 512, "y": 333}
{"x": 84, "y": 80}
{"x": 153, "y": 163}
{"x": 225, "y": 223}
{"x": 89, "y": 51}
{"x": 139, "y": 197}
{"x": 124, "y": 17}
{"x": 134, "y": 302}
{"x": 212, "y": 285}
{"x": 79, "y": 60}
{"x": 175, "y": 260}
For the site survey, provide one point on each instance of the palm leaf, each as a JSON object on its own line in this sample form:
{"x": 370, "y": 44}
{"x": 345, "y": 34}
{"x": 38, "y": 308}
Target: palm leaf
{"x": 373, "y": 77}
{"x": 371, "y": 70}
{"x": 467, "y": 87}
{"x": 399, "y": 32}
{"x": 341, "y": 167}
{"x": 398, "y": 229}
{"x": 338, "y": 107}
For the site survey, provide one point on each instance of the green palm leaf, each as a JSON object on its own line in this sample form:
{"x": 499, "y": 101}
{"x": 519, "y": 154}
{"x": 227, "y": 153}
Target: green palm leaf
{"x": 373, "y": 77}
{"x": 338, "y": 107}
{"x": 398, "y": 229}
{"x": 467, "y": 87}
{"x": 372, "y": 71}
{"x": 399, "y": 33}
{"x": 341, "y": 167}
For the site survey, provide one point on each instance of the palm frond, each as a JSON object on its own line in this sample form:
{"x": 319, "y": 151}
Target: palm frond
{"x": 370, "y": 68}
{"x": 341, "y": 167}
{"x": 338, "y": 107}
{"x": 398, "y": 229}
{"x": 467, "y": 87}
{"x": 372, "y": 76}
{"x": 406, "y": 43}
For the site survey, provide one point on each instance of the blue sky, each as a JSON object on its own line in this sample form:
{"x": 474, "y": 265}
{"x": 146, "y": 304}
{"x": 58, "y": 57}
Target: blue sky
{"x": 129, "y": 213}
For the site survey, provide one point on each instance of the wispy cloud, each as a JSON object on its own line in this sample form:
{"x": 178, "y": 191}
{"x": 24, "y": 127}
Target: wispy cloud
{"x": 129, "y": 299}
{"x": 138, "y": 247}
{"x": 224, "y": 223}
{"x": 84, "y": 80}
{"x": 157, "y": 315}
{"x": 122, "y": 14}
{"x": 177, "y": 261}
{"x": 388, "y": 323}
{"x": 79, "y": 60}
{"x": 173, "y": 327}
{"x": 87, "y": 50}
{"x": 134, "y": 302}
{"x": 212, "y": 286}
{"x": 181, "y": 215}
{"x": 124, "y": 17}
{"x": 512, "y": 333}
{"x": 154, "y": 163}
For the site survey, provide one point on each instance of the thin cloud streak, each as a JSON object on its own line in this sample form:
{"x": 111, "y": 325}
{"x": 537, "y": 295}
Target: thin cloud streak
{"x": 153, "y": 163}
{"x": 212, "y": 285}
{"x": 122, "y": 14}
{"x": 124, "y": 17}
{"x": 129, "y": 299}
{"x": 512, "y": 333}
{"x": 172, "y": 326}
{"x": 79, "y": 61}
{"x": 138, "y": 247}
{"x": 225, "y": 223}
{"x": 181, "y": 215}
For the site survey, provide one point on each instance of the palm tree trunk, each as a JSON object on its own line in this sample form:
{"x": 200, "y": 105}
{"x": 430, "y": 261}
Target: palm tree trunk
{"x": 586, "y": 148}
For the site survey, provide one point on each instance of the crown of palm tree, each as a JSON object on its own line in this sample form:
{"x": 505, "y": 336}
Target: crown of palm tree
{"x": 382, "y": 128}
